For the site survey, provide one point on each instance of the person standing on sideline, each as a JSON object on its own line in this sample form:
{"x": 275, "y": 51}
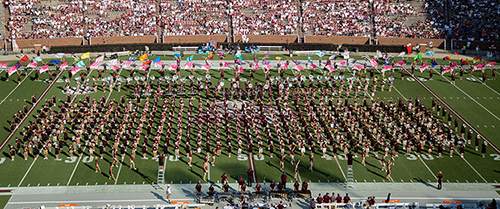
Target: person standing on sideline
{"x": 169, "y": 192}
{"x": 250, "y": 176}
{"x": 440, "y": 180}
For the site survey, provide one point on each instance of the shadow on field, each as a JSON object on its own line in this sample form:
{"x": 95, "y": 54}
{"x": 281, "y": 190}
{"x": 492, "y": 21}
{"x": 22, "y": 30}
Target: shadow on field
{"x": 159, "y": 196}
{"x": 189, "y": 193}
{"x": 425, "y": 183}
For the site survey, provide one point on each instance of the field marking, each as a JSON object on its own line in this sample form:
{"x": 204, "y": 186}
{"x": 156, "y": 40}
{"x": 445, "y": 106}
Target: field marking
{"x": 472, "y": 98}
{"x": 118, "y": 174}
{"x": 425, "y": 164}
{"x": 393, "y": 86}
{"x": 472, "y": 167}
{"x": 479, "y": 81}
{"x": 111, "y": 91}
{"x": 341, "y": 170}
{"x": 8, "y": 201}
{"x": 27, "y": 172}
{"x": 76, "y": 166}
{"x": 16, "y": 88}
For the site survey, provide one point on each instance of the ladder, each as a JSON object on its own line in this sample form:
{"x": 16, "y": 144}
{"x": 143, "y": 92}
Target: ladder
{"x": 161, "y": 179}
{"x": 350, "y": 178}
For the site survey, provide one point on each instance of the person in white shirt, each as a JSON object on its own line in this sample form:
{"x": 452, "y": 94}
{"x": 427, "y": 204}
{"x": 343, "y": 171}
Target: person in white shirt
{"x": 169, "y": 192}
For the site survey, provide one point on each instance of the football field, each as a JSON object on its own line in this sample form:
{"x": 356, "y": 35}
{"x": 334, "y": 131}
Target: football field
{"x": 475, "y": 102}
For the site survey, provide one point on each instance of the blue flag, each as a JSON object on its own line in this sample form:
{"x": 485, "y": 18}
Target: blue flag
{"x": 387, "y": 62}
{"x": 309, "y": 60}
{"x": 434, "y": 63}
{"x": 156, "y": 60}
{"x": 18, "y": 65}
{"x": 80, "y": 64}
{"x": 132, "y": 59}
{"x": 430, "y": 53}
{"x": 190, "y": 58}
{"x": 55, "y": 62}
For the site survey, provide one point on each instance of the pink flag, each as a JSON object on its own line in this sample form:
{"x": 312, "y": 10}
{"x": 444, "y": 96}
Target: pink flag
{"x": 12, "y": 70}
{"x": 240, "y": 70}
{"x": 172, "y": 67}
{"x": 330, "y": 68}
{"x": 490, "y": 64}
{"x": 74, "y": 70}
{"x": 100, "y": 58}
{"x": 143, "y": 67}
{"x": 256, "y": 67}
{"x": 188, "y": 65}
{"x": 479, "y": 67}
{"x": 4, "y": 64}
{"x": 454, "y": 65}
{"x": 312, "y": 65}
{"x": 285, "y": 66}
{"x": 206, "y": 67}
{"x": 298, "y": 67}
{"x": 267, "y": 66}
{"x": 386, "y": 68}
{"x": 374, "y": 62}
{"x": 225, "y": 64}
{"x": 64, "y": 65}
{"x": 448, "y": 69}
{"x": 44, "y": 68}
{"x": 126, "y": 64}
{"x": 400, "y": 63}
{"x": 358, "y": 67}
{"x": 340, "y": 63}
{"x": 115, "y": 67}
{"x": 94, "y": 65}
{"x": 158, "y": 64}
{"x": 33, "y": 64}
{"x": 423, "y": 67}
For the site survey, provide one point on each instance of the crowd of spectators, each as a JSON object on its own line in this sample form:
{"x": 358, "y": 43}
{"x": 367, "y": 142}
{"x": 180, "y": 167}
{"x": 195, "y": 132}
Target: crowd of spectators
{"x": 34, "y": 19}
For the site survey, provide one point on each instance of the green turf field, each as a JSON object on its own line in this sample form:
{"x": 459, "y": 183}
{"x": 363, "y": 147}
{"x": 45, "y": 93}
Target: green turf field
{"x": 4, "y": 199}
{"x": 476, "y": 102}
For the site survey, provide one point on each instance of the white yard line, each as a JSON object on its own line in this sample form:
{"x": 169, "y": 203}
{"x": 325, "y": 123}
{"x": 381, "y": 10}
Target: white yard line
{"x": 27, "y": 172}
{"x": 479, "y": 81}
{"x": 8, "y": 201}
{"x": 425, "y": 164}
{"x": 76, "y": 166}
{"x": 118, "y": 174}
{"x": 341, "y": 170}
{"x": 114, "y": 85}
{"x": 472, "y": 99}
{"x": 15, "y": 88}
{"x": 472, "y": 167}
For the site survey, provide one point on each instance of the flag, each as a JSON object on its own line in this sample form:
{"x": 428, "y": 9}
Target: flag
{"x": 64, "y": 65}
{"x": 296, "y": 62}
{"x": 379, "y": 54}
{"x": 206, "y": 67}
{"x": 330, "y": 68}
{"x": 100, "y": 58}
{"x": 33, "y": 64}
{"x": 18, "y": 65}
{"x": 312, "y": 65}
{"x": 284, "y": 66}
{"x": 358, "y": 67}
{"x": 309, "y": 60}
{"x": 400, "y": 63}
{"x": 94, "y": 65}
{"x": 423, "y": 67}
{"x": 418, "y": 57}
{"x": 12, "y": 70}
{"x": 75, "y": 70}
{"x": 85, "y": 56}
{"x": 225, "y": 64}
{"x": 448, "y": 69}
{"x": 298, "y": 67}
{"x": 80, "y": 64}
{"x": 238, "y": 55}
{"x": 241, "y": 70}
{"x": 44, "y": 68}
{"x": 346, "y": 55}
{"x": 267, "y": 66}
{"x": 188, "y": 65}
{"x": 4, "y": 64}
{"x": 490, "y": 64}
{"x": 454, "y": 65}
{"x": 115, "y": 67}
{"x": 156, "y": 60}
{"x": 210, "y": 56}
{"x": 340, "y": 63}
{"x": 456, "y": 52}
{"x": 158, "y": 64}
{"x": 465, "y": 62}
{"x": 114, "y": 56}
{"x": 430, "y": 53}
{"x": 265, "y": 62}
{"x": 59, "y": 55}
{"x": 143, "y": 67}
{"x": 37, "y": 59}
{"x": 479, "y": 67}
{"x": 333, "y": 57}
{"x": 75, "y": 59}
{"x": 146, "y": 62}
{"x": 386, "y": 68}
{"x": 320, "y": 54}
{"x": 446, "y": 58}
{"x": 408, "y": 48}
{"x": 222, "y": 56}
{"x": 172, "y": 67}
{"x": 387, "y": 62}
{"x": 402, "y": 54}
{"x": 190, "y": 58}
{"x": 132, "y": 59}
{"x": 143, "y": 57}
{"x": 279, "y": 58}
{"x": 256, "y": 67}
{"x": 478, "y": 58}
{"x": 15, "y": 47}
{"x": 55, "y": 62}
{"x": 25, "y": 58}
{"x": 374, "y": 62}
{"x": 113, "y": 62}
{"x": 266, "y": 55}
{"x": 434, "y": 63}
{"x": 126, "y": 64}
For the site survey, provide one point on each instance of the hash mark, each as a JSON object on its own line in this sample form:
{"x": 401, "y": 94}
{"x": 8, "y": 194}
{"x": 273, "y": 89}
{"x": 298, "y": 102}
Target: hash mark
{"x": 458, "y": 98}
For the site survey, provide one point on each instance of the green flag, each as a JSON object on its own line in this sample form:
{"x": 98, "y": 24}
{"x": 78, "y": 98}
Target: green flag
{"x": 309, "y": 60}
{"x": 37, "y": 59}
{"x": 419, "y": 56}
{"x": 80, "y": 64}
